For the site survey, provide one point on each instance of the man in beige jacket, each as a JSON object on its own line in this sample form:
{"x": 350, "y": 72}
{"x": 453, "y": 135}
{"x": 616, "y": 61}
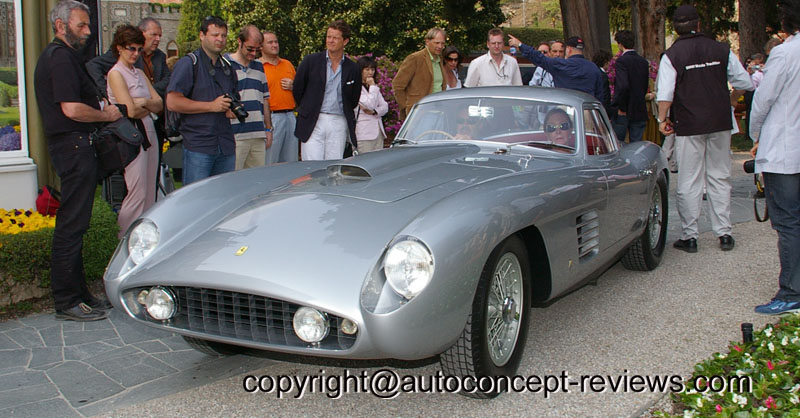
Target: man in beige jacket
{"x": 421, "y": 73}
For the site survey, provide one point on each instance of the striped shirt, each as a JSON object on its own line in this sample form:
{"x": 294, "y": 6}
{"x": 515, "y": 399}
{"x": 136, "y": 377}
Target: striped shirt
{"x": 253, "y": 91}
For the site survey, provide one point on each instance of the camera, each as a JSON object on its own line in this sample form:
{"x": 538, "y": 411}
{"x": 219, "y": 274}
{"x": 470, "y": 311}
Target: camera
{"x": 749, "y": 166}
{"x": 237, "y": 107}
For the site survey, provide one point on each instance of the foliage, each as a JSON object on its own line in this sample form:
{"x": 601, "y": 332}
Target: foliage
{"x": 11, "y": 90}
{"x": 192, "y": 14}
{"x": 8, "y": 75}
{"x": 273, "y": 15}
{"x": 532, "y": 36}
{"x": 25, "y": 257}
{"x": 5, "y": 99}
{"x": 770, "y": 361}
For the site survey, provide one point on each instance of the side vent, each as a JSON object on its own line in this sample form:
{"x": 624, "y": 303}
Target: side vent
{"x": 340, "y": 174}
{"x": 588, "y": 228}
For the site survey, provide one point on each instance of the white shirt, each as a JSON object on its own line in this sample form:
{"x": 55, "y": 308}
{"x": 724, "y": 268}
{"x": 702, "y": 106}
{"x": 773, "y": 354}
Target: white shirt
{"x": 775, "y": 115}
{"x": 737, "y": 76}
{"x": 483, "y": 71}
{"x": 541, "y": 78}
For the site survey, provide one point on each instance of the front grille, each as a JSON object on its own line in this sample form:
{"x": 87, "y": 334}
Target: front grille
{"x": 247, "y": 317}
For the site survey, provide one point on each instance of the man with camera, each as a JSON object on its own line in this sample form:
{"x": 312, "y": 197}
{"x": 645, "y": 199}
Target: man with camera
{"x": 70, "y": 109}
{"x": 201, "y": 88}
{"x": 775, "y": 127}
{"x": 253, "y": 132}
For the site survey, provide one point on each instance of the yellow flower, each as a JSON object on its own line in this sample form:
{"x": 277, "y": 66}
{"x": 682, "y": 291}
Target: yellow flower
{"x": 16, "y": 221}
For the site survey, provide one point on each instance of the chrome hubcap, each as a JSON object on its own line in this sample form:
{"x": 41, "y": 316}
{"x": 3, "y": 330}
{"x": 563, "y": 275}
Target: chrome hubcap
{"x": 655, "y": 218}
{"x": 504, "y": 309}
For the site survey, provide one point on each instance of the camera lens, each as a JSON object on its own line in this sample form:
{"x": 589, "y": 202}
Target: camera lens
{"x": 749, "y": 166}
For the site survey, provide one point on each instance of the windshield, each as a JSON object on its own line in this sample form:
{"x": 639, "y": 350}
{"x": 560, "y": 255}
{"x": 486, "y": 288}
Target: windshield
{"x": 510, "y": 121}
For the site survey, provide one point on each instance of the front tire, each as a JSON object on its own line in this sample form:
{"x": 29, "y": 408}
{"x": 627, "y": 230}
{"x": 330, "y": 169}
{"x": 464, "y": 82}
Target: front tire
{"x": 493, "y": 339}
{"x": 645, "y": 252}
{"x": 213, "y": 348}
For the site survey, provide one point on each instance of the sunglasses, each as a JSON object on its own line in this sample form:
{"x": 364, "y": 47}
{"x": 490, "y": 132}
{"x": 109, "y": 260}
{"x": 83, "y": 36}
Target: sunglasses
{"x": 451, "y": 58}
{"x": 134, "y": 49}
{"x": 566, "y": 126}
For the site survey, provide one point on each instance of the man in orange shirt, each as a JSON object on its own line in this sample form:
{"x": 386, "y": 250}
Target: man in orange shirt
{"x": 280, "y": 80}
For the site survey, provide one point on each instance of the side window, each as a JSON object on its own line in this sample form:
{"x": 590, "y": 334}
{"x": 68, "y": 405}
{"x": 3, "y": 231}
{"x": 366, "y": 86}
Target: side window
{"x": 598, "y": 138}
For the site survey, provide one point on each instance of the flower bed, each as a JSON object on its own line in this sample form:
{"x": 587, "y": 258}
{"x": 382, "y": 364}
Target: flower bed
{"x": 25, "y": 242}
{"x": 770, "y": 361}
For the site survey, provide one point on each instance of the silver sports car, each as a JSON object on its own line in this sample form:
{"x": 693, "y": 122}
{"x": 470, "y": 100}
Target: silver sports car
{"x": 490, "y": 201}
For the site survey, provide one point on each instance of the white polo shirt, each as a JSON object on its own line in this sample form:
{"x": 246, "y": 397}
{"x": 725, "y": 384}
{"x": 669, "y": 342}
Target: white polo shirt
{"x": 484, "y": 71}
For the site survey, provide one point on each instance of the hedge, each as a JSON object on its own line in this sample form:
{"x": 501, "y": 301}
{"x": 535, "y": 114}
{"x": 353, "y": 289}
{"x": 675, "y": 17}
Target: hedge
{"x": 25, "y": 257}
{"x": 532, "y": 36}
{"x": 8, "y": 75}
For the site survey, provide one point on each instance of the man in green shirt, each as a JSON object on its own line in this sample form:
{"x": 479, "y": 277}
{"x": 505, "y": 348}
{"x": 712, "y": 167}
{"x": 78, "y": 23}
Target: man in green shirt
{"x": 421, "y": 73}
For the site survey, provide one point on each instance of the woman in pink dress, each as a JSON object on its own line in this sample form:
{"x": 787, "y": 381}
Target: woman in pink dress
{"x": 128, "y": 85}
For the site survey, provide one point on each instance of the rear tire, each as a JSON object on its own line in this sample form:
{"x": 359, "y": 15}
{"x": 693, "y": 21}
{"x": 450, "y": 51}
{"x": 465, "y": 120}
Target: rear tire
{"x": 645, "y": 252}
{"x": 213, "y": 348}
{"x": 494, "y": 336}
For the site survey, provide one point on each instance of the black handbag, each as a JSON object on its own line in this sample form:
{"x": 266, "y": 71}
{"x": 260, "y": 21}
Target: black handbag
{"x": 117, "y": 144}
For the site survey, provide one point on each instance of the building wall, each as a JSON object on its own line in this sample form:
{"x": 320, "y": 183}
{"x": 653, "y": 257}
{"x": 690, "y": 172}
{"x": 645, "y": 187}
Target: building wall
{"x": 8, "y": 35}
{"x": 114, "y": 13}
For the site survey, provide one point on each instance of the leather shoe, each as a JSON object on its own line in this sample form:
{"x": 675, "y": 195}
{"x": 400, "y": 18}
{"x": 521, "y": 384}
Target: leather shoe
{"x": 99, "y": 303}
{"x": 726, "y": 242}
{"x": 688, "y": 245}
{"x": 81, "y": 312}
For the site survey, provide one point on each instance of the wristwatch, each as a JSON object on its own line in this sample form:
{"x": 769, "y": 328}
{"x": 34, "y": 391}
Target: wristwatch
{"x": 660, "y": 121}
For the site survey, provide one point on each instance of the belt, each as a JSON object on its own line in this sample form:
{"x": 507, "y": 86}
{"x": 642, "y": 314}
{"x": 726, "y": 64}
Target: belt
{"x": 283, "y": 111}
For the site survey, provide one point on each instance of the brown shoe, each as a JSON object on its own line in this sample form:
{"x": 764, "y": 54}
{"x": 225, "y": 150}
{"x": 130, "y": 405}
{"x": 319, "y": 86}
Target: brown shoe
{"x": 81, "y": 312}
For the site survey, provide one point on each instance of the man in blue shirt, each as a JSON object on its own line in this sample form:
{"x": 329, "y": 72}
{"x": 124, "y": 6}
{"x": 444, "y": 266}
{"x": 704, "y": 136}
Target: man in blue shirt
{"x": 201, "y": 91}
{"x": 574, "y": 72}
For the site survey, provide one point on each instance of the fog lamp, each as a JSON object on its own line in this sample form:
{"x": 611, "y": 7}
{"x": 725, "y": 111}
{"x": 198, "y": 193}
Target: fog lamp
{"x": 160, "y": 303}
{"x": 349, "y": 327}
{"x": 310, "y": 325}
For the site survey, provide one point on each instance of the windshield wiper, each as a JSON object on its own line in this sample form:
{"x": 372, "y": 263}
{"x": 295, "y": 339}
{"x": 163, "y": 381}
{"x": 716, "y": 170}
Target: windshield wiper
{"x": 548, "y": 144}
{"x": 403, "y": 141}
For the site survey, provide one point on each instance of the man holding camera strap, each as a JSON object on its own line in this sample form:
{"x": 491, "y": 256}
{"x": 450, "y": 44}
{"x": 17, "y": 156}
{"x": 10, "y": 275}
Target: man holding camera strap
{"x": 204, "y": 97}
{"x": 254, "y": 133}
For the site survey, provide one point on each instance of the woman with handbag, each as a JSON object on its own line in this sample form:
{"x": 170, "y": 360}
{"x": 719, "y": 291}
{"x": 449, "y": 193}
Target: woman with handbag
{"x": 371, "y": 107}
{"x": 129, "y": 85}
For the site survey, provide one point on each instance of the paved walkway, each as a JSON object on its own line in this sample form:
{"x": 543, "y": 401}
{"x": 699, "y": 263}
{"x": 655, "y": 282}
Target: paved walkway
{"x": 54, "y": 368}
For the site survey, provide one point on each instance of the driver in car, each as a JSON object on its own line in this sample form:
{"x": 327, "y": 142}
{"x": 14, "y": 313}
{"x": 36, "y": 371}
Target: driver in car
{"x": 466, "y": 126}
{"x": 558, "y": 128}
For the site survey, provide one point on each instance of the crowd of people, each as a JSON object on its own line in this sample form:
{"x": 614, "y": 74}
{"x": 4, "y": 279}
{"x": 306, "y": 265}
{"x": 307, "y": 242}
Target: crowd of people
{"x": 251, "y": 107}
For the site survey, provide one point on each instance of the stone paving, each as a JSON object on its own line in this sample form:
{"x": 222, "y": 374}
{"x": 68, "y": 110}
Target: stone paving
{"x": 52, "y": 368}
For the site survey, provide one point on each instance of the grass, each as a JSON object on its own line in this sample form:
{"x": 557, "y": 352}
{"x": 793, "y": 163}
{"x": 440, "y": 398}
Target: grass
{"x": 9, "y": 116}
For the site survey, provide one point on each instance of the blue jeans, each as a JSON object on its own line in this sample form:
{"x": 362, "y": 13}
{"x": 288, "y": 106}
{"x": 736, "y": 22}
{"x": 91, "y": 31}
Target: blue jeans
{"x": 197, "y": 165}
{"x": 622, "y": 125}
{"x": 783, "y": 204}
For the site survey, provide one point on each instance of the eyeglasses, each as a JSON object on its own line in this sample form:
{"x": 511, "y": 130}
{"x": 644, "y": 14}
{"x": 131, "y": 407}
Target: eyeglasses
{"x": 251, "y": 48}
{"x": 565, "y": 126}
{"x": 134, "y": 49}
{"x": 451, "y": 58}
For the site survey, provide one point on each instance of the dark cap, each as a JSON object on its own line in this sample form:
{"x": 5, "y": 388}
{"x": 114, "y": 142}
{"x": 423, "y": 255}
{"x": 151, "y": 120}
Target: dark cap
{"x": 575, "y": 42}
{"x": 685, "y": 13}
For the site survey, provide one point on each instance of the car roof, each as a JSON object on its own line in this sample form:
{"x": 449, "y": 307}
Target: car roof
{"x": 547, "y": 94}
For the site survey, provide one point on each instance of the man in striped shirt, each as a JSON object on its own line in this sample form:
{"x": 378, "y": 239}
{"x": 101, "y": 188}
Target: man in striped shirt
{"x": 254, "y": 135}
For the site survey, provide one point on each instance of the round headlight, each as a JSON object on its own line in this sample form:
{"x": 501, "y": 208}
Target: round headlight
{"x": 310, "y": 325}
{"x": 160, "y": 303}
{"x": 408, "y": 267}
{"x": 143, "y": 240}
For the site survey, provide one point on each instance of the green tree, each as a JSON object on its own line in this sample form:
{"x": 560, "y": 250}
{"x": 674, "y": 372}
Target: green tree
{"x": 192, "y": 14}
{"x": 272, "y": 15}
{"x": 395, "y": 28}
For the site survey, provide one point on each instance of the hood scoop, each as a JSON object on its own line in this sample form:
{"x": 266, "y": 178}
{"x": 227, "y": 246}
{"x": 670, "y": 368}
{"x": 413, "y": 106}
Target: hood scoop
{"x": 346, "y": 174}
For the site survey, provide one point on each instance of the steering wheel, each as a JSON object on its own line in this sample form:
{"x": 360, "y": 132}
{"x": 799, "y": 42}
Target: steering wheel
{"x": 434, "y": 131}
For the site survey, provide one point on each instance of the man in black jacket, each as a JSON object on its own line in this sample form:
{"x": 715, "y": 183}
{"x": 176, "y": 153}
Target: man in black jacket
{"x": 628, "y": 105}
{"x": 152, "y": 61}
{"x": 327, "y": 87}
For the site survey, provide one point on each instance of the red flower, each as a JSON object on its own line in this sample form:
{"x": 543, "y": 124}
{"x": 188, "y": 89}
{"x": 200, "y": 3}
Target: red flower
{"x": 719, "y": 408}
{"x": 736, "y": 347}
{"x": 769, "y": 365}
{"x": 770, "y": 403}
